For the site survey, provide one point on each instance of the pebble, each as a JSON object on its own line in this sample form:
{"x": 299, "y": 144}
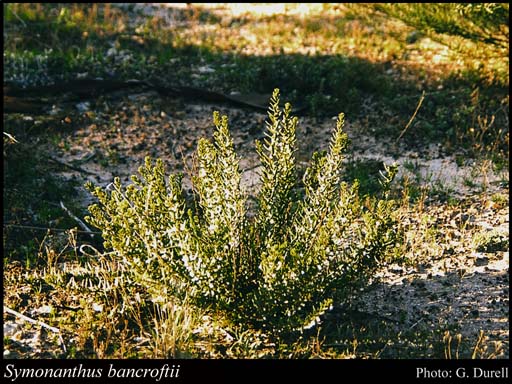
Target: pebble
{"x": 83, "y": 106}
{"x": 45, "y": 309}
{"x": 481, "y": 260}
{"x": 10, "y": 329}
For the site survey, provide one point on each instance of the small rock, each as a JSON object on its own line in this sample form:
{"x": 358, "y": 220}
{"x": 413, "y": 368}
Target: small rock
{"x": 481, "y": 260}
{"x": 111, "y": 52}
{"x": 205, "y": 69}
{"x": 10, "y": 329}
{"x": 413, "y": 37}
{"x": 43, "y": 310}
{"x": 84, "y": 106}
{"x": 55, "y": 110}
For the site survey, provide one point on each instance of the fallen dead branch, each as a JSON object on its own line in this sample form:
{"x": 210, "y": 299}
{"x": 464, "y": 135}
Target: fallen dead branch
{"x": 80, "y": 222}
{"x": 28, "y": 100}
{"x": 412, "y": 117}
{"x": 74, "y": 168}
{"x": 37, "y": 322}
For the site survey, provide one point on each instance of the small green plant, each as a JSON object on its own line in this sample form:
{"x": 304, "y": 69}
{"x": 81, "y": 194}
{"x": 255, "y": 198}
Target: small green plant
{"x": 490, "y": 241}
{"x": 275, "y": 270}
{"x": 500, "y": 200}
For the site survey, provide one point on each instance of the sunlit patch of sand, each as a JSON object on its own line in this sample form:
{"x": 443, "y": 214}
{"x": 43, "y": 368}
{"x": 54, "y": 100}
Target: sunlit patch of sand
{"x": 259, "y": 9}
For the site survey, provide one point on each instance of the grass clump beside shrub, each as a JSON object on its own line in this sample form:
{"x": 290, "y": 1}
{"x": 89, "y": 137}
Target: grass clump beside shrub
{"x": 275, "y": 270}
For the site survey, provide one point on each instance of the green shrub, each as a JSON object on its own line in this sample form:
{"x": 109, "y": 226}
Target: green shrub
{"x": 276, "y": 269}
{"x": 485, "y": 22}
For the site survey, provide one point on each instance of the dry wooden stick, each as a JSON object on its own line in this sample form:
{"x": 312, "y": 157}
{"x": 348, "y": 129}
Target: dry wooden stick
{"x": 37, "y": 322}
{"x": 33, "y": 227}
{"x": 412, "y": 117}
{"x": 19, "y": 18}
{"x": 10, "y": 137}
{"x": 80, "y": 222}
{"x": 71, "y": 166}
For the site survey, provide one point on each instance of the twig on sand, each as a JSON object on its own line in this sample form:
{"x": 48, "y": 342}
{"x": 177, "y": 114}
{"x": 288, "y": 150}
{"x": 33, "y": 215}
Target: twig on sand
{"x": 74, "y": 168}
{"x": 19, "y": 18}
{"x": 412, "y": 117}
{"x": 80, "y": 222}
{"x": 36, "y": 228}
{"x": 37, "y": 322}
